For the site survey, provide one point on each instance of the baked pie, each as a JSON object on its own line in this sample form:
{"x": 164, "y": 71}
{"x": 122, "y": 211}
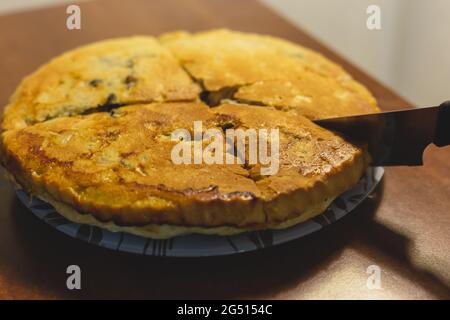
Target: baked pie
{"x": 90, "y": 133}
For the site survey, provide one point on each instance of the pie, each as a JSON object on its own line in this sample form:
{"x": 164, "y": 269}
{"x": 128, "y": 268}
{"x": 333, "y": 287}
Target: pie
{"x": 90, "y": 133}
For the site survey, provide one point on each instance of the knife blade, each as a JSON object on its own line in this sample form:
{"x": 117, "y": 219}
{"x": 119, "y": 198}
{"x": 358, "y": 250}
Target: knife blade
{"x": 396, "y": 137}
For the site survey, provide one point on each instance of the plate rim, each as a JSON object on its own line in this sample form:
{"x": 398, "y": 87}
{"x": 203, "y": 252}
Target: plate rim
{"x": 224, "y": 245}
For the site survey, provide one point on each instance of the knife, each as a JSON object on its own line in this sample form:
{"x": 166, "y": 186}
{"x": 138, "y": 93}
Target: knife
{"x": 396, "y": 137}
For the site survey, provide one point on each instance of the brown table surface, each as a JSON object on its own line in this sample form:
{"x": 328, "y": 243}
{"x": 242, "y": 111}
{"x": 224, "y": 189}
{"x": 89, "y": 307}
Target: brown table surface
{"x": 404, "y": 228}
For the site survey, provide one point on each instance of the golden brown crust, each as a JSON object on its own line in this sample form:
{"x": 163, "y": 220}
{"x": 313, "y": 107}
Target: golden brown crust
{"x": 270, "y": 71}
{"x": 118, "y": 167}
{"x": 111, "y": 72}
{"x": 113, "y": 168}
{"x": 165, "y": 231}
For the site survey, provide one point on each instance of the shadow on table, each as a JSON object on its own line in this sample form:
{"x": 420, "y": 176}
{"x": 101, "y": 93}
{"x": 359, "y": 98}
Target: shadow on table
{"x": 44, "y": 254}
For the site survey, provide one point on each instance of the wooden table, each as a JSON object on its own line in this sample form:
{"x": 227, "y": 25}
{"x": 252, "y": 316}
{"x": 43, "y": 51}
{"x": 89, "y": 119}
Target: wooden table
{"x": 404, "y": 228}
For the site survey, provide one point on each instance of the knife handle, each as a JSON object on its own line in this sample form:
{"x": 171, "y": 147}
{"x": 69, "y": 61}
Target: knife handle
{"x": 442, "y": 135}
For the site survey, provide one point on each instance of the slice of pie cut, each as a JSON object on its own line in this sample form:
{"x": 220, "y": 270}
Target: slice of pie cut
{"x": 91, "y": 133}
{"x": 116, "y": 169}
{"x": 100, "y": 75}
{"x": 269, "y": 71}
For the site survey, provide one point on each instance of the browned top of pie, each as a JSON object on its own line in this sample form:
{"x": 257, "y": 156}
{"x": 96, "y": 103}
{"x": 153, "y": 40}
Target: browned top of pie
{"x": 270, "y": 71}
{"x": 118, "y": 166}
{"x": 91, "y": 129}
{"x": 107, "y": 73}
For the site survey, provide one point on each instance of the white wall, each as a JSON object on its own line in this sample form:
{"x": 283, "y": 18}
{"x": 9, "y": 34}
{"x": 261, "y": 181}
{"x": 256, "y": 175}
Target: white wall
{"x": 411, "y": 53}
